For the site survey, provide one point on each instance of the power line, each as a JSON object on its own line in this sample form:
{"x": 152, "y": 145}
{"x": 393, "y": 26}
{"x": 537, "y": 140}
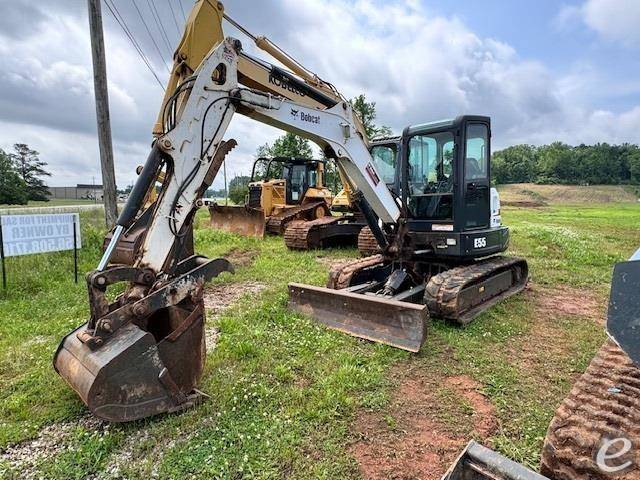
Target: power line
{"x": 173, "y": 14}
{"x": 150, "y": 36}
{"x": 182, "y": 8}
{"x": 158, "y": 20}
{"x": 132, "y": 39}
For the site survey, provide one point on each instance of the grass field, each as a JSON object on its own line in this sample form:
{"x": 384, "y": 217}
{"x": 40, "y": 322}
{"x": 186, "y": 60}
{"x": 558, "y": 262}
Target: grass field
{"x": 291, "y": 399}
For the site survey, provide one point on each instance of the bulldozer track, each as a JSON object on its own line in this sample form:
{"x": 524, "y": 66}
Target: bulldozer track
{"x": 443, "y": 291}
{"x": 340, "y": 276}
{"x": 604, "y": 404}
{"x": 276, "y": 224}
{"x": 367, "y": 243}
{"x": 296, "y": 235}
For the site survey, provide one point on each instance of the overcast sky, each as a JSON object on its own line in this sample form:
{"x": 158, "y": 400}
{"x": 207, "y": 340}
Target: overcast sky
{"x": 543, "y": 70}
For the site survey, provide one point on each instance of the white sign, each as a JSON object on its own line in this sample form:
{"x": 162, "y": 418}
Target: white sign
{"x": 26, "y": 234}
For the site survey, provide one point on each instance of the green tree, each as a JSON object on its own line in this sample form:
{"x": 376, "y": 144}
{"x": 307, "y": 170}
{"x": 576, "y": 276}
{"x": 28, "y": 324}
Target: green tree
{"x": 634, "y": 166}
{"x": 31, "y": 169}
{"x": 288, "y": 145}
{"x": 367, "y": 113}
{"x": 516, "y": 164}
{"x": 13, "y": 190}
{"x": 238, "y": 189}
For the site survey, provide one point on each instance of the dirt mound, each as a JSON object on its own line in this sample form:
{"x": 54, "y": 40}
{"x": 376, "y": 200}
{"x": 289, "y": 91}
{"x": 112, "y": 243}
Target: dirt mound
{"x": 412, "y": 440}
{"x": 567, "y": 194}
{"x": 523, "y": 204}
{"x": 241, "y": 257}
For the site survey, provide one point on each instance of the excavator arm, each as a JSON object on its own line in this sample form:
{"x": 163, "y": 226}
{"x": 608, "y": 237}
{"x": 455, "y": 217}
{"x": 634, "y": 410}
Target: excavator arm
{"x": 191, "y": 144}
{"x": 143, "y": 353}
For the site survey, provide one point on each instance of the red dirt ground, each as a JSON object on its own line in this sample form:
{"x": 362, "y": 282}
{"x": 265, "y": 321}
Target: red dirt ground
{"x": 419, "y": 444}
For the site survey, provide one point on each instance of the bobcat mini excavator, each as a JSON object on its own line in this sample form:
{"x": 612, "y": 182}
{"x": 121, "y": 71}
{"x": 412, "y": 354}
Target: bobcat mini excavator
{"x": 143, "y": 353}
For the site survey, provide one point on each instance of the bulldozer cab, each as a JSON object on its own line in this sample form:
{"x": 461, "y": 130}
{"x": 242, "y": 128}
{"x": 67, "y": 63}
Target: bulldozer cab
{"x": 293, "y": 175}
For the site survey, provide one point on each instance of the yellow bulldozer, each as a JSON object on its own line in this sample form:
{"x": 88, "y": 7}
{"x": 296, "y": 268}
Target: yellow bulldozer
{"x": 287, "y": 189}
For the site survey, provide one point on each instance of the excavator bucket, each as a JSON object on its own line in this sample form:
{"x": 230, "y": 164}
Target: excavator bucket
{"x": 480, "y": 463}
{"x": 399, "y": 324}
{"x": 623, "y": 315}
{"x": 138, "y": 372}
{"x": 144, "y": 357}
{"x": 238, "y": 219}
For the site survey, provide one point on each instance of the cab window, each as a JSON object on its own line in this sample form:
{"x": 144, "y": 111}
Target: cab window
{"x": 476, "y": 161}
{"x": 430, "y": 175}
{"x": 298, "y": 173}
{"x": 384, "y": 159}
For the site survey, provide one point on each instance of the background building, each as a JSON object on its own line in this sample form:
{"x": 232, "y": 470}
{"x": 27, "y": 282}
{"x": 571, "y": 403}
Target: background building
{"x": 80, "y": 192}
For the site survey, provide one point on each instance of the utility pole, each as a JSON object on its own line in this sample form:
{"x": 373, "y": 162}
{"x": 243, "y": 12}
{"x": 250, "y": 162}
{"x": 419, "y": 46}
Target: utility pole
{"x": 102, "y": 113}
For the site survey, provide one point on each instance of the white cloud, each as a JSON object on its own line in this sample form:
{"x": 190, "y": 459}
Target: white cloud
{"x": 614, "y": 20}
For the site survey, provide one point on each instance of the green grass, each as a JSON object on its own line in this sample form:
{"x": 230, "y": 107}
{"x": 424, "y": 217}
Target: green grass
{"x": 284, "y": 391}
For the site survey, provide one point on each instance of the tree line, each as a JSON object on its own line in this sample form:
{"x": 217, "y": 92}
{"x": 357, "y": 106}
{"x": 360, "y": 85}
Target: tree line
{"x": 21, "y": 173}
{"x": 560, "y": 163}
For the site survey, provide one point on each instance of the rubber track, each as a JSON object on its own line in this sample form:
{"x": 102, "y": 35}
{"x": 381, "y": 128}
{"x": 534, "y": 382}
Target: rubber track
{"x": 367, "y": 243}
{"x": 296, "y": 235}
{"x": 604, "y": 402}
{"x": 277, "y": 223}
{"x": 442, "y": 291}
{"x": 340, "y": 276}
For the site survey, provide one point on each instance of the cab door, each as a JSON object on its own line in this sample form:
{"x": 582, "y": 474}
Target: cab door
{"x": 296, "y": 184}
{"x": 476, "y": 185}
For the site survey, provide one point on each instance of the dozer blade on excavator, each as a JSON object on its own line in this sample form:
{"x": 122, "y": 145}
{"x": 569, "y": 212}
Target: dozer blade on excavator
{"x": 142, "y": 358}
{"x": 399, "y": 324}
{"x": 238, "y": 219}
{"x": 480, "y": 463}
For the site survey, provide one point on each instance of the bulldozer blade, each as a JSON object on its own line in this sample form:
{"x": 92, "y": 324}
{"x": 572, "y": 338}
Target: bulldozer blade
{"x": 480, "y": 463}
{"x": 623, "y": 315}
{"x": 242, "y": 220}
{"x": 135, "y": 375}
{"x": 399, "y": 324}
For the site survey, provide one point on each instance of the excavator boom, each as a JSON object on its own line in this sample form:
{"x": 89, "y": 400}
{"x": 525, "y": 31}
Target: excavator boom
{"x": 143, "y": 353}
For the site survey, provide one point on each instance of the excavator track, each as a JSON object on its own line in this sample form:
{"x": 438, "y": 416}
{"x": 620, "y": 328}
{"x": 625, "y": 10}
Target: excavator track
{"x": 367, "y": 243}
{"x": 462, "y": 293}
{"x": 276, "y": 224}
{"x": 340, "y": 276}
{"x": 604, "y": 404}
{"x": 312, "y": 234}
{"x": 298, "y": 235}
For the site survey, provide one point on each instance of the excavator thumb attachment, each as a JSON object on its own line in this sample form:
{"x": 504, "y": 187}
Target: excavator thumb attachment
{"x": 480, "y": 463}
{"x": 399, "y": 324}
{"x": 145, "y": 357}
{"x": 243, "y": 220}
{"x": 623, "y": 316}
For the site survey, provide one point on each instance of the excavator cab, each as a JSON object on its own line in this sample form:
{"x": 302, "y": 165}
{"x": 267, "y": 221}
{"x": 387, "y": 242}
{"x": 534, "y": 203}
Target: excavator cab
{"x": 281, "y": 189}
